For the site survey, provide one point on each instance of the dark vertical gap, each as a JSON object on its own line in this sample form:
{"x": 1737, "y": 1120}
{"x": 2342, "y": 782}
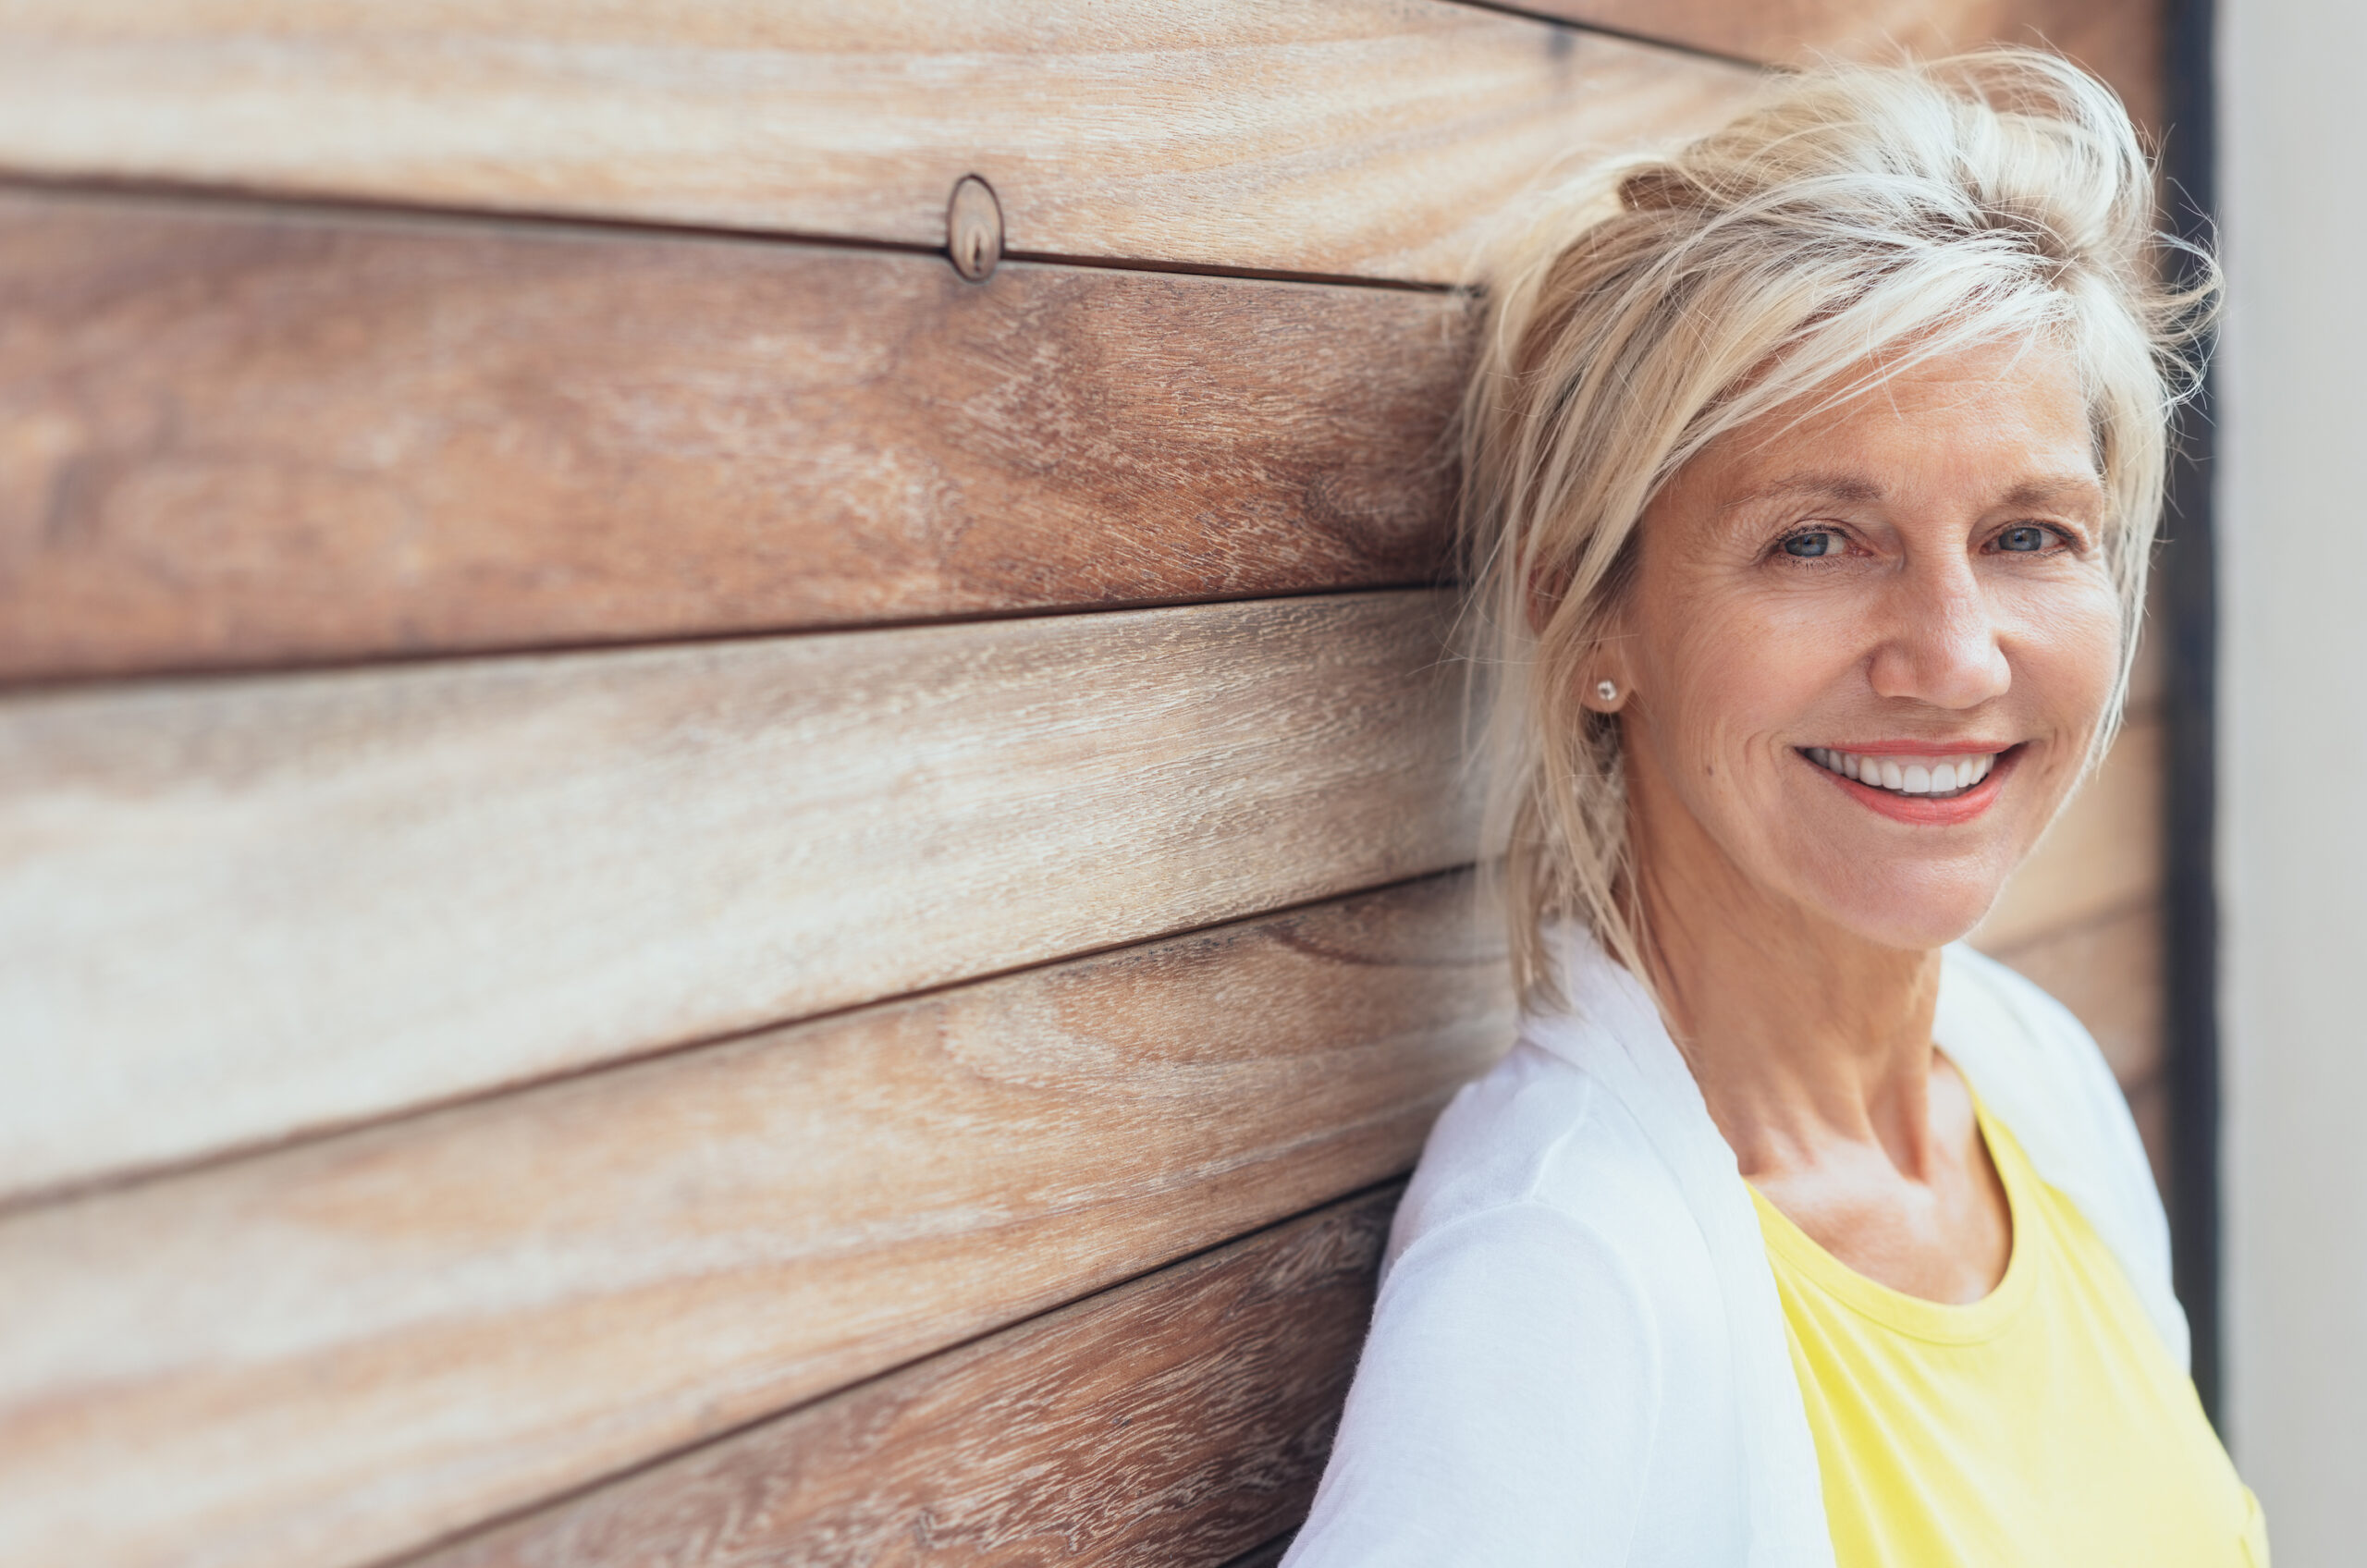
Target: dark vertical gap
{"x": 2189, "y": 585}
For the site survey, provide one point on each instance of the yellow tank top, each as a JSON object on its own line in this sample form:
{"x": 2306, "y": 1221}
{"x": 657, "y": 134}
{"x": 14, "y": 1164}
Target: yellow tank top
{"x": 2044, "y": 1425}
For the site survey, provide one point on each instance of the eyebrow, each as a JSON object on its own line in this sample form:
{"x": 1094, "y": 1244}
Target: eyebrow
{"x": 1846, "y": 488}
{"x": 1856, "y": 490}
{"x": 2041, "y": 492}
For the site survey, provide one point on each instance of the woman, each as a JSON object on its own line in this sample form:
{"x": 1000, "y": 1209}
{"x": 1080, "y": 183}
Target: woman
{"x": 1809, "y": 479}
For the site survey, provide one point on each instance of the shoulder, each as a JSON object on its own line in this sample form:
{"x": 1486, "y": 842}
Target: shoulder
{"x": 1546, "y": 1375}
{"x": 1541, "y": 1145}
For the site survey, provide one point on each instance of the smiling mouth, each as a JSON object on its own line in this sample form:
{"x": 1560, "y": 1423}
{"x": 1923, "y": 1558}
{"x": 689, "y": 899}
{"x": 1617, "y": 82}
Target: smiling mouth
{"x": 1941, "y": 777}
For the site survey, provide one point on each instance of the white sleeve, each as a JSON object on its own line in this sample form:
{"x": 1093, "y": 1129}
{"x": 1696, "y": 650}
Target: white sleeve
{"x": 1503, "y": 1409}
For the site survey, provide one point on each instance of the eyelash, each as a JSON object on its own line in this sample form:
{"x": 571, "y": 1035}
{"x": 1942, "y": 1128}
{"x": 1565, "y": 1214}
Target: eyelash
{"x": 1780, "y": 553}
{"x": 2063, "y": 539}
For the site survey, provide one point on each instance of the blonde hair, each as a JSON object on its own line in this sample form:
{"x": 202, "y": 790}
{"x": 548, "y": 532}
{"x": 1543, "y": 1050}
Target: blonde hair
{"x": 1853, "y": 221}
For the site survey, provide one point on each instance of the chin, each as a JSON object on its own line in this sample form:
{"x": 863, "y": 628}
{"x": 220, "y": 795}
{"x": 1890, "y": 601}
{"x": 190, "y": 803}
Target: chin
{"x": 1911, "y": 912}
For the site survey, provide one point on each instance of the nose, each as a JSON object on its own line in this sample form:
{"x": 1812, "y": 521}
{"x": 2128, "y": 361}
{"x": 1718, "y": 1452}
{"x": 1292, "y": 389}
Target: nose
{"x": 1940, "y": 641}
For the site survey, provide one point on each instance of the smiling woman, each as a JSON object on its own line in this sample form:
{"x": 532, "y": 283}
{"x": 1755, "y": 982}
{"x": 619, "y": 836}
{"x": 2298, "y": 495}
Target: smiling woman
{"x": 1809, "y": 478}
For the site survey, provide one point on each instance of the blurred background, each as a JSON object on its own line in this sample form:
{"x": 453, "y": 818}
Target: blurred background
{"x": 727, "y": 823}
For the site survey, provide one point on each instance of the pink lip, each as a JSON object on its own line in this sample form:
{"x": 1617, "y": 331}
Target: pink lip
{"x": 1922, "y": 811}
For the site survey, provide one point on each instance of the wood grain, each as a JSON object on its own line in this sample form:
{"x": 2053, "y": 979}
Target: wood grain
{"x": 267, "y": 905}
{"x": 1365, "y": 137}
{"x": 2103, "y": 855}
{"x": 2119, "y": 40}
{"x": 1173, "y": 1421}
{"x": 245, "y": 438}
{"x": 322, "y": 1355}
{"x": 2108, "y": 971}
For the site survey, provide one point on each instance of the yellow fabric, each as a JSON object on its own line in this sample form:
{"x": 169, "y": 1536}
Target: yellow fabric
{"x": 2044, "y": 1425}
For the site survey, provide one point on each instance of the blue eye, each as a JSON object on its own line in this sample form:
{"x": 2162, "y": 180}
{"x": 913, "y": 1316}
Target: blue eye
{"x": 1815, "y": 543}
{"x": 2028, "y": 539}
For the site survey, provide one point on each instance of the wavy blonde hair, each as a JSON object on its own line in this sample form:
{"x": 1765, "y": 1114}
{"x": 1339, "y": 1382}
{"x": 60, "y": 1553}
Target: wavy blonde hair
{"x": 1851, "y": 222}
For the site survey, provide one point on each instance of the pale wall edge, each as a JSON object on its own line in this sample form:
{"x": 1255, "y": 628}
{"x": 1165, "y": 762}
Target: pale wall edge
{"x": 2293, "y": 749}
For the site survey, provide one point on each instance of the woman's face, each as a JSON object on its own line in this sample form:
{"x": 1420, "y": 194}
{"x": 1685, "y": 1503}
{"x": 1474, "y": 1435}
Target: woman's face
{"x": 1862, "y": 657}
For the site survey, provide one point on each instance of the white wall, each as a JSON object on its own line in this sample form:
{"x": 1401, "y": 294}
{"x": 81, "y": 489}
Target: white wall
{"x": 2293, "y": 75}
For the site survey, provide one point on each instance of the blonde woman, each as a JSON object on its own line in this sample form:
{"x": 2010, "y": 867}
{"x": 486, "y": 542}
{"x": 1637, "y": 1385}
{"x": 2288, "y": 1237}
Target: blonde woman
{"x": 1809, "y": 476}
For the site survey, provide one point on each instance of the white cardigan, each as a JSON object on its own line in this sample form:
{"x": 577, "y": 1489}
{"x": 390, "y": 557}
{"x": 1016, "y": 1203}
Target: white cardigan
{"x": 1577, "y": 1356}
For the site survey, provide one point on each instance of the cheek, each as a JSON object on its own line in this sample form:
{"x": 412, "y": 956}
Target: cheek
{"x": 1722, "y": 674}
{"x": 2069, "y": 656}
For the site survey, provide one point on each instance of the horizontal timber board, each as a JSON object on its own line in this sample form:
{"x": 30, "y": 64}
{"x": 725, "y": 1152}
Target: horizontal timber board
{"x": 1365, "y": 137}
{"x": 321, "y": 1355}
{"x": 2101, "y": 856}
{"x": 266, "y": 905}
{"x": 2119, "y": 40}
{"x": 1177, "y": 1420}
{"x": 2107, "y": 969}
{"x": 248, "y": 439}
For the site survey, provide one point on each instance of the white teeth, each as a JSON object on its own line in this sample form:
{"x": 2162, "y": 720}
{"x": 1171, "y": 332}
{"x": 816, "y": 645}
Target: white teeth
{"x": 1933, "y": 775}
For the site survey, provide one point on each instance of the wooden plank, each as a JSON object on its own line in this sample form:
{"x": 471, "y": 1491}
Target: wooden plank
{"x": 264, "y": 906}
{"x": 2119, "y": 40}
{"x": 322, "y": 1355}
{"x": 2103, "y": 855}
{"x": 2108, "y": 971}
{"x": 1365, "y": 137}
{"x": 1173, "y": 1421}
{"x": 247, "y": 440}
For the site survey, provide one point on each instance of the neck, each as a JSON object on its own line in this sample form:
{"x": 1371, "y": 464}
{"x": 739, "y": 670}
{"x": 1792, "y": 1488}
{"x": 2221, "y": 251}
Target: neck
{"x": 1801, "y": 1035}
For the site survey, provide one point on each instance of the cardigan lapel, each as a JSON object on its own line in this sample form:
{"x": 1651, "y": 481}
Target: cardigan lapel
{"x": 1615, "y": 1033}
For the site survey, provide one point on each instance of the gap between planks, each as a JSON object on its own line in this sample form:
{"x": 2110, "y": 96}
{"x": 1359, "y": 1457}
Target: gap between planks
{"x": 469, "y": 1311}
{"x": 231, "y": 201}
{"x": 310, "y": 901}
{"x": 273, "y": 443}
{"x": 435, "y": 1554}
{"x": 12, "y": 1204}
{"x": 1337, "y": 138}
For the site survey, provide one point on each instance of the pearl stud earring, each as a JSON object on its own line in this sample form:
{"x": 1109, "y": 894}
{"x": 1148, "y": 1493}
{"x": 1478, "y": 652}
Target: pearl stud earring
{"x": 1607, "y": 691}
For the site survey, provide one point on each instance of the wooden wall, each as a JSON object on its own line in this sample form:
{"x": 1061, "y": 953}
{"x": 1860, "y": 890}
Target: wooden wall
{"x": 677, "y": 888}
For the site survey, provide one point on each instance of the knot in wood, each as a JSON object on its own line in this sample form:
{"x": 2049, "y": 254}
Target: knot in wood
{"x": 974, "y": 228}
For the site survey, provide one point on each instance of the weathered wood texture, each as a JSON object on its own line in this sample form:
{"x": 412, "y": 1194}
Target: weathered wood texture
{"x": 2103, "y": 855}
{"x": 1370, "y": 138}
{"x": 243, "y": 438}
{"x": 2107, "y": 969}
{"x": 324, "y": 1354}
{"x": 1174, "y": 1422}
{"x": 2119, "y": 40}
{"x": 262, "y": 906}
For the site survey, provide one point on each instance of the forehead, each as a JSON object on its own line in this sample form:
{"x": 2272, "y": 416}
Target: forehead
{"x": 1998, "y": 420}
